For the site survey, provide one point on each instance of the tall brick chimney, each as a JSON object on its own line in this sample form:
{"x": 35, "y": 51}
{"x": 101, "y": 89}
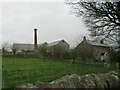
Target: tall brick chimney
{"x": 35, "y": 38}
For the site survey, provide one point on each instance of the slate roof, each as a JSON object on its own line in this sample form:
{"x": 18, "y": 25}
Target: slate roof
{"x": 93, "y": 43}
{"x": 42, "y": 44}
{"x": 23, "y": 46}
{"x": 54, "y": 43}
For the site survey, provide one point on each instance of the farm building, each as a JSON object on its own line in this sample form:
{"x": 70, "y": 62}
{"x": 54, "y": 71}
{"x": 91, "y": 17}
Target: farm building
{"x": 91, "y": 49}
{"x": 55, "y": 49}
{"x": 58, "y": 49}
{"x": 60, "y": 44}
{"x": 19, "y": 47}
{"x": 42, "y": 45}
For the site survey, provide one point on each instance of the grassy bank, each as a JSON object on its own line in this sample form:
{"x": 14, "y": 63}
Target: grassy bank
{"x": 21, "y": 70}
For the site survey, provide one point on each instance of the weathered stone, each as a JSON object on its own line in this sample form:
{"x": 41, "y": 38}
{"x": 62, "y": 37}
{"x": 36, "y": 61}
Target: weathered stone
{"x": 27, "y": 86}
{"x": 103, "y": 81}
{"x": 87, "y": 81}
{"x": 40, "y": 85}
{"x": 53, "y": 85}
{"x": 108, "y": 80}
{"x": 112, "y": 79}
{"x": 68, "y": 81}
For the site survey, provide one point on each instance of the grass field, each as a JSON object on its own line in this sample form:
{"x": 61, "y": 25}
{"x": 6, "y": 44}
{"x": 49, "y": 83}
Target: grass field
{"x": 20, "y": 70}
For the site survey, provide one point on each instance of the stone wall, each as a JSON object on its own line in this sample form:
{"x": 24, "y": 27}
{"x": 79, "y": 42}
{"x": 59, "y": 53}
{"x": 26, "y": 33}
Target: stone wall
{"x": 107, "y": 80}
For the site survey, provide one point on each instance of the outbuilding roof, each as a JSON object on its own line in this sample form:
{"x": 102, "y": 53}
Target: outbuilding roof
{"x": 55, "y": 43}
{"x": 23, "y": 46}
{"x": 93, "y": 43}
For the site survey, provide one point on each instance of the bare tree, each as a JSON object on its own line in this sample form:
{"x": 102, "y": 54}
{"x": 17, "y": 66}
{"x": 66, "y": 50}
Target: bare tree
{"x": 103, "y": 19}
{"x": 6, "y": 47}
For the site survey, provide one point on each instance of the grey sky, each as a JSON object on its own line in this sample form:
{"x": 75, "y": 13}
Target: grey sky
{"x": 52, "y": 19}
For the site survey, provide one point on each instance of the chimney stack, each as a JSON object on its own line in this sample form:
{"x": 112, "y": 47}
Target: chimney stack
{"x": 35, "y": 38}
{"x": 84, "y": 38}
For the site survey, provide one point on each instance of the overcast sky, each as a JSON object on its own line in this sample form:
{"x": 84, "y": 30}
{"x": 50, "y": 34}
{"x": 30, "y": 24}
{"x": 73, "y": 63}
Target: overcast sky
{"x": 52, "y": 19}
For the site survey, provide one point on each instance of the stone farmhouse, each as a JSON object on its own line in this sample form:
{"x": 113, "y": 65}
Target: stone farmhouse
{"x": 91, "y": 49}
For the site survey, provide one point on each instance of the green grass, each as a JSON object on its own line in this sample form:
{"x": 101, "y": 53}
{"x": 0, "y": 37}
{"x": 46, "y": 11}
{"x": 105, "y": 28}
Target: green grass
{"x": 32, "y": 70}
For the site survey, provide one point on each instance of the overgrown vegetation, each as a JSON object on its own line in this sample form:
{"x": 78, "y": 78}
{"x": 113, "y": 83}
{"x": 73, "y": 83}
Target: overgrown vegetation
{"x": 22, "y": 70}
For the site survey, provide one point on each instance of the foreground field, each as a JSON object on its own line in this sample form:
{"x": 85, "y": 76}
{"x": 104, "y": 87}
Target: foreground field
{"x": 20, "y": 70}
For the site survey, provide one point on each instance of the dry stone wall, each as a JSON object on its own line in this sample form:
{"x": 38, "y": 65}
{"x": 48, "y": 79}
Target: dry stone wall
{"x": 107, "y": 80}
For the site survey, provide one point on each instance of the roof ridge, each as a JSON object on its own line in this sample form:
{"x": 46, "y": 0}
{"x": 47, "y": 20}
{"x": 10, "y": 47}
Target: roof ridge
{"x": 95, "y": 43}
{"x": 57, "y": 40}
{"x": 22, "y": 43}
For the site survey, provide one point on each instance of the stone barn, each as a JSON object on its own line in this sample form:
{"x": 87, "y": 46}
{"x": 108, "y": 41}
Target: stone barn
{"x": 59, "y": 44}
{"x": 58, "y": 48}
{"x": 91, "y": 50}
